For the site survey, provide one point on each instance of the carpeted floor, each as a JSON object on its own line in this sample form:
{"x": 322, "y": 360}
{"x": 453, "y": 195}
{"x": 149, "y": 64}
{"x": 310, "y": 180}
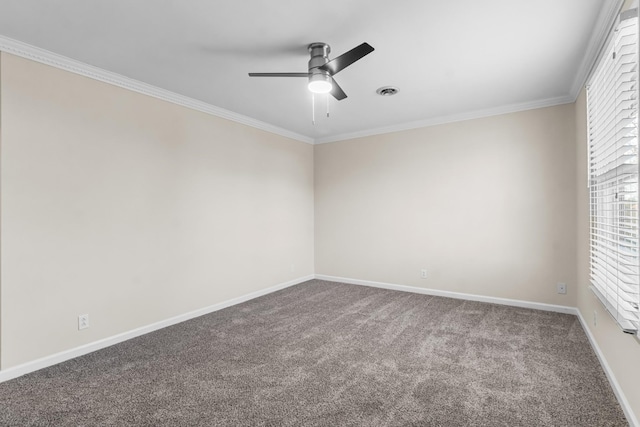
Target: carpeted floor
{"x": 329, "y": 354}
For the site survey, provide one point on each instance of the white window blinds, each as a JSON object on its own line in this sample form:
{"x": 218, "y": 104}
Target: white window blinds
{"x": 612, "y": 100}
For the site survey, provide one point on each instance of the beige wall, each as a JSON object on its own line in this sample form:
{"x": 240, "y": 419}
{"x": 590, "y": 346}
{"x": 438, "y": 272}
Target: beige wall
{"x": 486, "y": 205}
{"x": 134, "y": 210}
{"x": 622, "y": 351}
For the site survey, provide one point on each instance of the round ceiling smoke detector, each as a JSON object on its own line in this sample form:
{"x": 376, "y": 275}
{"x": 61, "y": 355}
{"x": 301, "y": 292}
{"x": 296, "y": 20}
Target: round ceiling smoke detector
{"x": 387, "y": 91}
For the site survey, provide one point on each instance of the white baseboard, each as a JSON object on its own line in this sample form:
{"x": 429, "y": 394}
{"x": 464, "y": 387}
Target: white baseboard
{"x": 25, "y": 368}
{"x": 457, "y": 295}
{"x": 622, "y": 400}
{"x": 617, "y": 390}
{"x": 54, "y": 359}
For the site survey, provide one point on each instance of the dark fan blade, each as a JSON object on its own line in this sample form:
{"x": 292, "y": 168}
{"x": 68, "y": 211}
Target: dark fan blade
{"x": 343, "y": 61}
{"x": 278, "y": 74}
{"x": 337, "y": 91}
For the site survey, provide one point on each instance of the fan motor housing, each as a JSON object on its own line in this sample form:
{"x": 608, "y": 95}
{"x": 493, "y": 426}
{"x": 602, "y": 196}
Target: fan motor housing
{"x": 319, "y": 55}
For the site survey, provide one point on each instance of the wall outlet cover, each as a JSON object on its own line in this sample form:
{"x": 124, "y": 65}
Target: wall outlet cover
{"x": 83, "y": 321}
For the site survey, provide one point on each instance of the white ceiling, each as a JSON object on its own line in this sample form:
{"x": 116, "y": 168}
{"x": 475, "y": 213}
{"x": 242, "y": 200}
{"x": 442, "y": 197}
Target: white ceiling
{"x": 450, "y": 59}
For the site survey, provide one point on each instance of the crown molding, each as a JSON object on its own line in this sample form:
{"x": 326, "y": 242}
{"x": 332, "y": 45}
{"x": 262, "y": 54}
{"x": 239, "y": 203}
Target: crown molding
{"x": 46, "y": 57}
{"x": 606, "y": 19}
{"x": 477, "y": 114}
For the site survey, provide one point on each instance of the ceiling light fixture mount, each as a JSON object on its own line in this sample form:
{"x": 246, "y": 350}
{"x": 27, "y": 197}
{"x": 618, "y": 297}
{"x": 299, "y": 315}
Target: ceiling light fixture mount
{"x": 387, "y": 91}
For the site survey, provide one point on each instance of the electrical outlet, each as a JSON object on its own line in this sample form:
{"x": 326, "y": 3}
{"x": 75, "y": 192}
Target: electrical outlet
{"x": 83, "y": 321}
{"x": 595, "y": 318}
{"x": 423, "y": 273}
{"x": 293, "y": 267}
{"x": 562, "y": 288}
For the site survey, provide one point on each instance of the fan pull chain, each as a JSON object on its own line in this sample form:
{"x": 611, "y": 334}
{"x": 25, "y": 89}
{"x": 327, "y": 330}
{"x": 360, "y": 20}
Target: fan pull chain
{"x": 327, "y": 97}
{"x": 313, "y": 109}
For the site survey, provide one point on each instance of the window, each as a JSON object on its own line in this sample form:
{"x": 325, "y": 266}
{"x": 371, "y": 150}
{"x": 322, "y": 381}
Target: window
{"x": 612, "y": 102}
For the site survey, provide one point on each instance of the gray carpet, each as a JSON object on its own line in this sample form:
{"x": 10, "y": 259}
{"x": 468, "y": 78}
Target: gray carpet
{"x": 329, "y": 354}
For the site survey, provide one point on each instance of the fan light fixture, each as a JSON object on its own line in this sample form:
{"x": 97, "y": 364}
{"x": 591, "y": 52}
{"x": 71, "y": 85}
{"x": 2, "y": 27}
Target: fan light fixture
{"x": 320, "y": 83}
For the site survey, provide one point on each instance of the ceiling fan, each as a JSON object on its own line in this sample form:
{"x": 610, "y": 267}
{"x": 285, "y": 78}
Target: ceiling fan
{"x": 322, "y": 70}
